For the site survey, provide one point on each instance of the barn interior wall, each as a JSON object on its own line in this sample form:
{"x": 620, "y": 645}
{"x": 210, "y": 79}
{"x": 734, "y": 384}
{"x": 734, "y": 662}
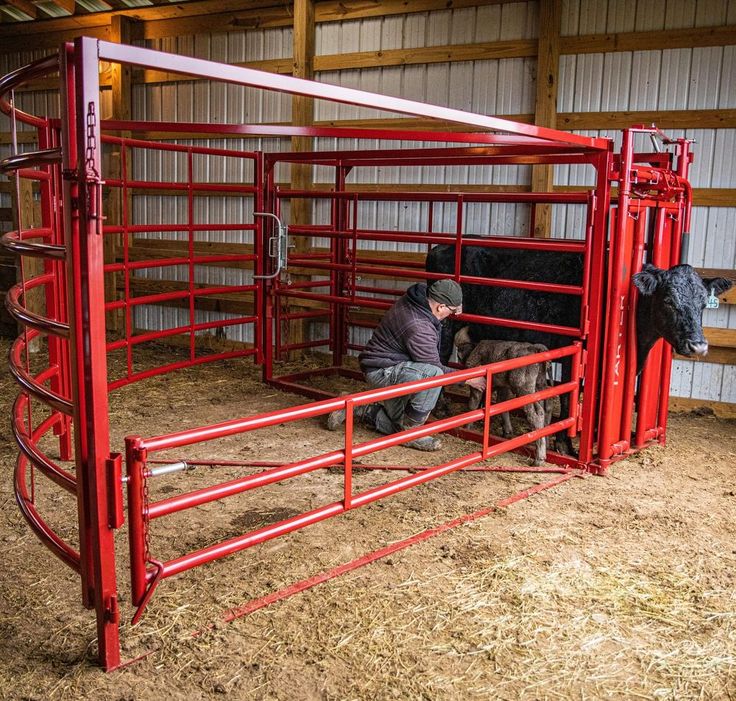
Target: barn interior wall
{"x": 699, "y": 78}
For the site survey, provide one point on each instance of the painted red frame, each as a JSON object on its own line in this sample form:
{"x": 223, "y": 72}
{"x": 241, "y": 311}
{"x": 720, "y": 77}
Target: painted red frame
{"x": 70, "y": 241}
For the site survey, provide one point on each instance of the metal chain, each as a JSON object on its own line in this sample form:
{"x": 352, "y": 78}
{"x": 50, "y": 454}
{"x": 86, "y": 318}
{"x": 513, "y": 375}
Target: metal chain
{"x": 146, "y": 520}
{"x": 90, "y": 170}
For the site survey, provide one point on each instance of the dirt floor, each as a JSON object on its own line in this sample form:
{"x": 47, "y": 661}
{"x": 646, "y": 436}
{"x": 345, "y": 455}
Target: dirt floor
{"x": 621, "y": 587}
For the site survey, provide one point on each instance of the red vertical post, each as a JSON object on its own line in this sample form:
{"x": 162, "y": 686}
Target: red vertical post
{"x": 85, "y": 270}
{"x": 258, "y": 304}
{"x": 135, "y": 465}
{"x": 634, "y": 267}
{"x": 348, "y": 472}
{"x": 593, "y": 296}
{"x": 615, "y": 340}
{"x": 268, "y": 203}
{"x": 651, "y": 376}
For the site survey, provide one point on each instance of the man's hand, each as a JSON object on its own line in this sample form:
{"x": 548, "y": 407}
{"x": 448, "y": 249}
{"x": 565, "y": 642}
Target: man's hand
{"x": 478, "y": 383}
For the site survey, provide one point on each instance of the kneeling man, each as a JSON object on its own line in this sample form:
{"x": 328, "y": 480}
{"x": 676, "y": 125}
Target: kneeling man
{"x": 405, "y": 348}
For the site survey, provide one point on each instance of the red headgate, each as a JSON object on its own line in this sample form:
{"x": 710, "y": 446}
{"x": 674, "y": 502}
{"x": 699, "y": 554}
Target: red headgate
{"x": 348, "y": 268}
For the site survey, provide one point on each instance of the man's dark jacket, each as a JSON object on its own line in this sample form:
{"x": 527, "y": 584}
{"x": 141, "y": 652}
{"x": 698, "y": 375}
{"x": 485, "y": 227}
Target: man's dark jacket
{"x": 408, "y": 331}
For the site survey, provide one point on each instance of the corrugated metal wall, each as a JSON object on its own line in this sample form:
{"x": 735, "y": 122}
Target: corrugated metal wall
{"x": 700, "y": 78}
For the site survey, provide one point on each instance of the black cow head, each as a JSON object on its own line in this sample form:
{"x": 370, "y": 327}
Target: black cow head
{"x": 671, "y": 306}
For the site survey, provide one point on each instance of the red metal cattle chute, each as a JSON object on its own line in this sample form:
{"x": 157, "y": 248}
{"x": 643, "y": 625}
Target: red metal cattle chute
{"x": 341, "y": 290}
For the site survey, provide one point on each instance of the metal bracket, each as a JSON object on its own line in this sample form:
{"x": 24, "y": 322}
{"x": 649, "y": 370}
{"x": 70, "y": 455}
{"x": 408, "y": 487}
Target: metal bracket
{"x": 278, "y": 246}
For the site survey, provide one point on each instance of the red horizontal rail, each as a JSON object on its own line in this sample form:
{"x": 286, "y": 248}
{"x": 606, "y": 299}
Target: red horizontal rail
{"x": 307, "y": 411}
{"x": 165, "y": 262}
{"x": 196, "y": 186}
{"x": 159, "y": 146}
{"x": 180, "y": 294}
{"x": 582, "y": 197}
{"x": 119, "y": 53}
{"x": 174, "y": 331}
{"x": 163, "y": 369}
{"x": 388, "y": 270}
{"x": 518, "y": 242}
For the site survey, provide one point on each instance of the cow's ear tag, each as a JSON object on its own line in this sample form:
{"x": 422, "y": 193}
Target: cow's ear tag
{"x": 712, "y": 302}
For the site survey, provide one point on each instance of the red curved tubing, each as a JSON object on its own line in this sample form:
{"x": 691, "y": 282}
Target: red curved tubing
{"x": 16, "y": 243}
{"x": 28, "y": 442}
{"x": 36, "y": 69}
{"x": 30, "y": 383}
{"x": 31, "y": 319}
{"x": 51, "y": 540}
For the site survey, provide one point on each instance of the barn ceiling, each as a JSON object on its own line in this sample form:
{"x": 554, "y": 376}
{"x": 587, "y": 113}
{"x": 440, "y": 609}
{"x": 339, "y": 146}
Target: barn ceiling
{"x": 29, "y": 10}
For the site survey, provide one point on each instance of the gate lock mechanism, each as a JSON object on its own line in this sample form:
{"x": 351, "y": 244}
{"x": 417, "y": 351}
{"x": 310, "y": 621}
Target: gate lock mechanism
{"x": 278, "y": 246}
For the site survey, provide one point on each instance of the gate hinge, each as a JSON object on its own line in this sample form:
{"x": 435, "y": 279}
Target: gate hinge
{"x": 586, "y": 320}
{"x": 115, "y": 511}
{"x": 112, "y": 610}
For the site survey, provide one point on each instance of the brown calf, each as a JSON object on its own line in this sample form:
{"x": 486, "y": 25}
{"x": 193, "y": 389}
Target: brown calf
{"x": 513, "y": 383}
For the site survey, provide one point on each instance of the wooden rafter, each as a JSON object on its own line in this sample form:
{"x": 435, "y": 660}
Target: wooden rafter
{"x": 24, "y": 6}
{"x": 66, "y": 5}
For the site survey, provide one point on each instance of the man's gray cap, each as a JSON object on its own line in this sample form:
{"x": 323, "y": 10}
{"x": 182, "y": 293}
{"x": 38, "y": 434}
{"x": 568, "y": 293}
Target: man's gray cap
{"x": 446, "y": 292}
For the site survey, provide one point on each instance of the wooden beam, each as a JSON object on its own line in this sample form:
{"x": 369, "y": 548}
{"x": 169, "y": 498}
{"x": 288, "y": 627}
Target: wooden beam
{"x": 651, "y": 41}
{"x": 423, "y": 55}
{"x": 24, "y": 6}
{"x": 545, "y": 112}
{"x": 66, "y": 5}
{"x": 723, "y": 410}
{"x": 123, "y": 30}
{"x": 729, "y": 296}
{"x": 719, "y": 356}
{"x": 302, "y": 114}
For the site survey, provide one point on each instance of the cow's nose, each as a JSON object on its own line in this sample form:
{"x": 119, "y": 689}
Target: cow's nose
{"x": 698, "y": 347}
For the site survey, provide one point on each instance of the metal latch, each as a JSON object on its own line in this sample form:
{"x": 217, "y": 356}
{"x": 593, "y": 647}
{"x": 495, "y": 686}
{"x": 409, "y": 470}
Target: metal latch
{"x": 278, "y": 246}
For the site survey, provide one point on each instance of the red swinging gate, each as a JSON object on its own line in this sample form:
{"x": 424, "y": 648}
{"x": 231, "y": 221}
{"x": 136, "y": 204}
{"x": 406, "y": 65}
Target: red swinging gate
{"x": 342, "y": 285}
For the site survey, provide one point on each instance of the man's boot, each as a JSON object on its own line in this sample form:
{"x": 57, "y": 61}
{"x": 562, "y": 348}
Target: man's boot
{"x": 365, "y": 414}
{"x": 426, "y": 443}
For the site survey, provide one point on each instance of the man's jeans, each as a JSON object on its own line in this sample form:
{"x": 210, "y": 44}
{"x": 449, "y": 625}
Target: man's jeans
{"x": 415, "y": 406}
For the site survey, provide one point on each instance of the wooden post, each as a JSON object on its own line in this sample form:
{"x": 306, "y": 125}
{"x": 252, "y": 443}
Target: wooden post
{"x": 302, "y": 114}
{"x": 545, "y": 112}
{"x": 123, "y": 31}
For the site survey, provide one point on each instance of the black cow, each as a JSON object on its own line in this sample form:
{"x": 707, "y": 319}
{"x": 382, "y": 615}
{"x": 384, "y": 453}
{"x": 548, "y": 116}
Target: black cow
{"x": 671, "y": 302}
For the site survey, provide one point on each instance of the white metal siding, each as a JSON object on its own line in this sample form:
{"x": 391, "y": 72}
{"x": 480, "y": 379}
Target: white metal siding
{"x": 699, "y": 78}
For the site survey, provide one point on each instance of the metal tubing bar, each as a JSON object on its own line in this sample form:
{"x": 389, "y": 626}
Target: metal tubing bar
{"x": 440, "y": 196}
{"x": 30, "y": 383}
{"x": 177, "y": 228}
{"x": 306, "y": 411}
{"x": 119, "y": 53}
{"x": 16, "y": 242}
{"x": 165, "y": 333}
{"x": 28, "y": 442}
{"x": 402, "y": 271}
{"x": 37, "y": 69}
{"x": 137, "y": 517}
{"x": 286, "y": 131}
{"x": 521, "y": 243}
{"x": 261, "y": 535}
{"x": 31, "y": 319}
{"x": 82, "y": 149}
{"x": 160, "y": 146}
{"x": 154, "y": 372}
{"x": 180, "y": 294}
{"x": 30, "y": 158}
{"x": 183, "y": 187}
{"x": 43, "y": 531}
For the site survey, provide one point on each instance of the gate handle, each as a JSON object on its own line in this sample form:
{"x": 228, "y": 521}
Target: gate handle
{"x": 278, "y": 246}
